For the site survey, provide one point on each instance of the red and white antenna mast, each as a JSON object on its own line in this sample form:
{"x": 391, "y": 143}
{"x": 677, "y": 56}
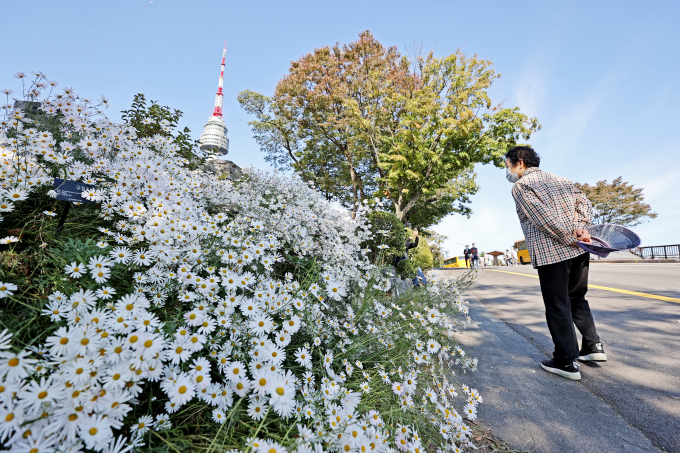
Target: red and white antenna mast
{"x": 218, "y": 97}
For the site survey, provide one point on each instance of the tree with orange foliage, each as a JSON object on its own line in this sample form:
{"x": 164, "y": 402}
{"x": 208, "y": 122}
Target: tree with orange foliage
{"x": 363, "y": 121}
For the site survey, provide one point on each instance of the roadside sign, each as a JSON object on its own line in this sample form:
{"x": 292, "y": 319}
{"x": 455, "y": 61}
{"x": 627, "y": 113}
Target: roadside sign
{"x": 72, "y": 190}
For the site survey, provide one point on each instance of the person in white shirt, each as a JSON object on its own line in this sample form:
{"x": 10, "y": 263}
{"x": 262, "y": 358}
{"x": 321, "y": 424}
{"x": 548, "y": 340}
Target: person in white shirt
{"x": 513, "y": 255}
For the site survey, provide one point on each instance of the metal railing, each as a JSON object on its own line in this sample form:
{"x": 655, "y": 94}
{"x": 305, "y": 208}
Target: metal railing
{"x": 658, "y": 252}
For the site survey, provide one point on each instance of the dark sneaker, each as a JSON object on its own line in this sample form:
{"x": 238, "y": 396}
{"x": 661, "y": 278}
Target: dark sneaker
{"x": 568, "y": 370}
{"x": 595, "y": 353}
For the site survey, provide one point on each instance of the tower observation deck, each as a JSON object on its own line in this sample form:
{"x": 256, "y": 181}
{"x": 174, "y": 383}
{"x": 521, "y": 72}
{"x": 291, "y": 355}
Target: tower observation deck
{"x": 214, "y": 137}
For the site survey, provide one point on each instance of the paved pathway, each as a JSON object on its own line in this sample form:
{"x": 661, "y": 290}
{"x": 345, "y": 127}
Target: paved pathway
{"x": 626, "y": 404}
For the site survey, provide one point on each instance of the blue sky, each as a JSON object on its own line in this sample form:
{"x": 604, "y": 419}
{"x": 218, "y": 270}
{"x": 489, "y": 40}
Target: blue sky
{"x": 602, "y": 77}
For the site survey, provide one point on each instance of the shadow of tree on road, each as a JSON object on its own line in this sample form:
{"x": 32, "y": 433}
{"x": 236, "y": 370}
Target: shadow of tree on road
{"x": 638, "y": 382}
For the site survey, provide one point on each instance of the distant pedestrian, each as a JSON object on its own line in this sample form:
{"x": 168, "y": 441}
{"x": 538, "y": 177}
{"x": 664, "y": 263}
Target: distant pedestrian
{"x": 507, "y": 257}
{"x": 513, "y": 255}
{"x": 466, "y": 252}
{"x": 474, "y": 256}
{"x": 554, "y": 215}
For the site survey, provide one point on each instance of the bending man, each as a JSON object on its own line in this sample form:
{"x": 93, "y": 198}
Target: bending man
{"x": 554, "y": 214}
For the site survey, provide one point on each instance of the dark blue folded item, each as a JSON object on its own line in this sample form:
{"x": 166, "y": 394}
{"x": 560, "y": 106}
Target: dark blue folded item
{"x": 609, "y": 238}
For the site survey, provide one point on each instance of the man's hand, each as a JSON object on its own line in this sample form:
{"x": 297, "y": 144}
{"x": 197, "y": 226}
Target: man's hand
{"x": 582, "y": 235}
{"x": 415, "y": 232}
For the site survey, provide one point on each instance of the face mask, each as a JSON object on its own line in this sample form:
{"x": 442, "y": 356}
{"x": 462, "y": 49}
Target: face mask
{"x": 510, "y": 176}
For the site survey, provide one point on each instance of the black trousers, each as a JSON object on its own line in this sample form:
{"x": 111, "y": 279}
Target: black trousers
{"x": 564, "y": 286}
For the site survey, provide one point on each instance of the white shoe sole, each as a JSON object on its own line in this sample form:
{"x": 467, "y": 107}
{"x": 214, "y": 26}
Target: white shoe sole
{"x": 594, "y": 357}
{"x": 573, "y": 376}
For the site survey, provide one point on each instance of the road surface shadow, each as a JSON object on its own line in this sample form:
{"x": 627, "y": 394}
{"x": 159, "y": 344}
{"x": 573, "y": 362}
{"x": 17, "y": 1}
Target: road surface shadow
{"x": 640, "y": 381}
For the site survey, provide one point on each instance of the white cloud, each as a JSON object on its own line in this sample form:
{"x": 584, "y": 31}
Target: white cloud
{"x": 663, "y": 187}
{"x": 567, "y": 129}
{"x": 660, "y": 183}
{"x": 661, "y": 191}
{"x": 529, "y": 92}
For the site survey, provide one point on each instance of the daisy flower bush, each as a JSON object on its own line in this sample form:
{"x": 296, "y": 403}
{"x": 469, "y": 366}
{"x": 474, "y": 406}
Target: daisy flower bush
{"x": 183, "y": 312}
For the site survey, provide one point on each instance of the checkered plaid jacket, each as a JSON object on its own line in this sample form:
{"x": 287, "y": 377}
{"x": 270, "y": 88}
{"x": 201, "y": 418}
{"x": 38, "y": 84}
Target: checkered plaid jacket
{"x": 549, "y": 208}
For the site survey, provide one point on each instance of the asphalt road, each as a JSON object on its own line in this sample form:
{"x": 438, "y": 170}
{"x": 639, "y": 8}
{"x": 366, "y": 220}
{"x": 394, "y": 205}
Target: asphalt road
{"x": 641, "y": 336}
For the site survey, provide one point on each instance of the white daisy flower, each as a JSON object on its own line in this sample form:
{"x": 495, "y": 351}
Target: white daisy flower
{"x": 143, "y": 425}
{"x": 182, "y": 390}
{"x": 8, "y": 240}
{"x": 16, "y": 194}
{"x": 257, "y": 409}
{"x": 7, "y": 289}
{"x": 95, "y": 431}
{"x": 75, "y": 270}
{"x": 235, "y": 371}
{"x": 5, "y": 336}
{"x": 16, "y": 366}
{"x": 219, "y": 416}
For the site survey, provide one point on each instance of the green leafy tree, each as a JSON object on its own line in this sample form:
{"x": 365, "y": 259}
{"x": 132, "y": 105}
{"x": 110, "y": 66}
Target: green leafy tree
{"x": 407, "y": 268}
{"x": 287, "y": 146}
{"x": 421, "y": 256}
{"x": 447, "y": 124}
{"x": 387, "y": 230}
{"x": 435, "y": 242}
{"x": 617, "y": 202}
{"x": 156, "y": 119}
{"x": 362, "y": 121}
{"x": 454, "y": 197}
